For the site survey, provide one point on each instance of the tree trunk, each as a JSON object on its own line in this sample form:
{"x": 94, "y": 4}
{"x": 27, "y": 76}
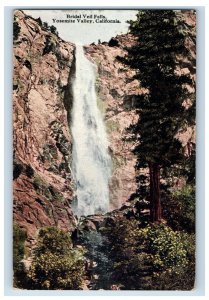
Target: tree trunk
{"x": 155, "y": 204}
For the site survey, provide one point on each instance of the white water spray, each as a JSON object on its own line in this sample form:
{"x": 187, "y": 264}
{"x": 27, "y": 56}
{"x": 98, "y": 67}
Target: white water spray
{"x": 91, "y": 162}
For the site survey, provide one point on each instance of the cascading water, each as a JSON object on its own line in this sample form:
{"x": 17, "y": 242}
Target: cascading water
{"x": 91, "y": 163}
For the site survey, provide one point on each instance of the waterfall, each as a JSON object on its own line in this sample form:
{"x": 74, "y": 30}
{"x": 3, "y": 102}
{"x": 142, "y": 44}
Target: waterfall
{"x": 91, "y": 163}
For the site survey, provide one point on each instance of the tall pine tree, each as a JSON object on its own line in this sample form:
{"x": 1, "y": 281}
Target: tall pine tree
{"x": 160, "y": 42}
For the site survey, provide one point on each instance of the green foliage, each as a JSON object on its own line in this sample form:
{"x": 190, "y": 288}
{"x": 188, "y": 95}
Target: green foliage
{"x": 39, "y": 183}
{"x": 19, "y": 237}
{"x": 39, "y": 21}
{"x": 179, "y": 209}
{"x": 142, "y": 256}
{"x": 55, "y": 271}
{"x": 53, "y": 30}
{"x": 160, "y": 42}
{"x": 181, "y": 277}
{"x": 50, "y": 45}
{"x": 16, "y": 30}
{"x": 168, "y": 280}
{"x": 56, "y": 265}
{"x": 54, "y": 240}
{"x": 124, "y": 252}
{"x": 165, "y": 247}
{"x": 112, "y": 126}
{"x": 102, "y": 105}
{"x": 47, "y": 27}
{"x": 44, "y": 189}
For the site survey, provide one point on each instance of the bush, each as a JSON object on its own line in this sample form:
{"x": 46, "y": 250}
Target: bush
{"x": 181, "y": 277}
{"x": 56, "y": 265}
{"x": 17, "y": 170}
{"x": 179, "y": 209}
{"x": 19, "y": 237}
{"x": 54, "y": 240}
{"x": 154, "y": 257}
{"x": 129, "y": 260}
{"x": 16, "y": 30}
{"x": 55, "y": 271}
{"x": 167, "y": 248}
{"x": 53, "y": 30}
{"x": 49, "y": 45}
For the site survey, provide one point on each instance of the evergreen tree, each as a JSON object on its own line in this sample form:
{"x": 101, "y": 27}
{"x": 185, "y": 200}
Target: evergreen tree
{"x": 160, "y": 42}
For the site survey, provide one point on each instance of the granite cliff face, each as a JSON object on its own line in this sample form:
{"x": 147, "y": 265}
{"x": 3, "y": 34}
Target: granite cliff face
{"x": 43, "y": 188}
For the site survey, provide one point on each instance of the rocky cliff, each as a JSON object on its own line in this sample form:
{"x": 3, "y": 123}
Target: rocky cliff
{"x": 43, "y": 188}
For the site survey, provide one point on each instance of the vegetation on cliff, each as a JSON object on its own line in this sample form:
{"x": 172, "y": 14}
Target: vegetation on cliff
{"x": 19, "y": 237}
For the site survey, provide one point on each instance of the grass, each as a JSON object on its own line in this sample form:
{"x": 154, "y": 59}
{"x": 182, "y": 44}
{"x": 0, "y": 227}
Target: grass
{"x": 112, "y": 126}
{"x": 102, "y": 105}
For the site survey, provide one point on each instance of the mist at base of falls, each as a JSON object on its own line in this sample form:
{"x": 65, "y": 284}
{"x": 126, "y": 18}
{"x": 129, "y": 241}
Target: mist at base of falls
{"x": 91, "y": 163}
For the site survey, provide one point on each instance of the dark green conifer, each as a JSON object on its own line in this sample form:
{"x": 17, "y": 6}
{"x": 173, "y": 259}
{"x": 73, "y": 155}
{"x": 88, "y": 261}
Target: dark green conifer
{"x": 156, "y": 57}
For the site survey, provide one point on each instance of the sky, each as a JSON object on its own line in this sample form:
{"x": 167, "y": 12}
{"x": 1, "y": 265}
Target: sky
{"x": 86, "y": 33}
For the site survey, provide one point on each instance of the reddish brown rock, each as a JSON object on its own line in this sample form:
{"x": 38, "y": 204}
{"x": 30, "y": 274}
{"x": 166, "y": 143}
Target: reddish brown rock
{"x": 42, "y": 141}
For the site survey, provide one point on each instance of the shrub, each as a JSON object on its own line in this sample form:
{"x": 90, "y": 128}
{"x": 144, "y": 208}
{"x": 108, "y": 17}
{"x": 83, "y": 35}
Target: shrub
{"x": 56, "y": 265}
{"x": 39, "y": 183}
{"x": 55, "y": 271}
{"x": 54, "y": 240}
{"x": 17, "y": 170}
{"x": 53, "y": 30}
{"x": 16, "y": 30}
{"x": 167, "y": 248}
{"x": 144, "y": 257}
{"x": 179, "y": 209}
{"x": 19, "y": 237}
{"x": 129, "y": 261}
